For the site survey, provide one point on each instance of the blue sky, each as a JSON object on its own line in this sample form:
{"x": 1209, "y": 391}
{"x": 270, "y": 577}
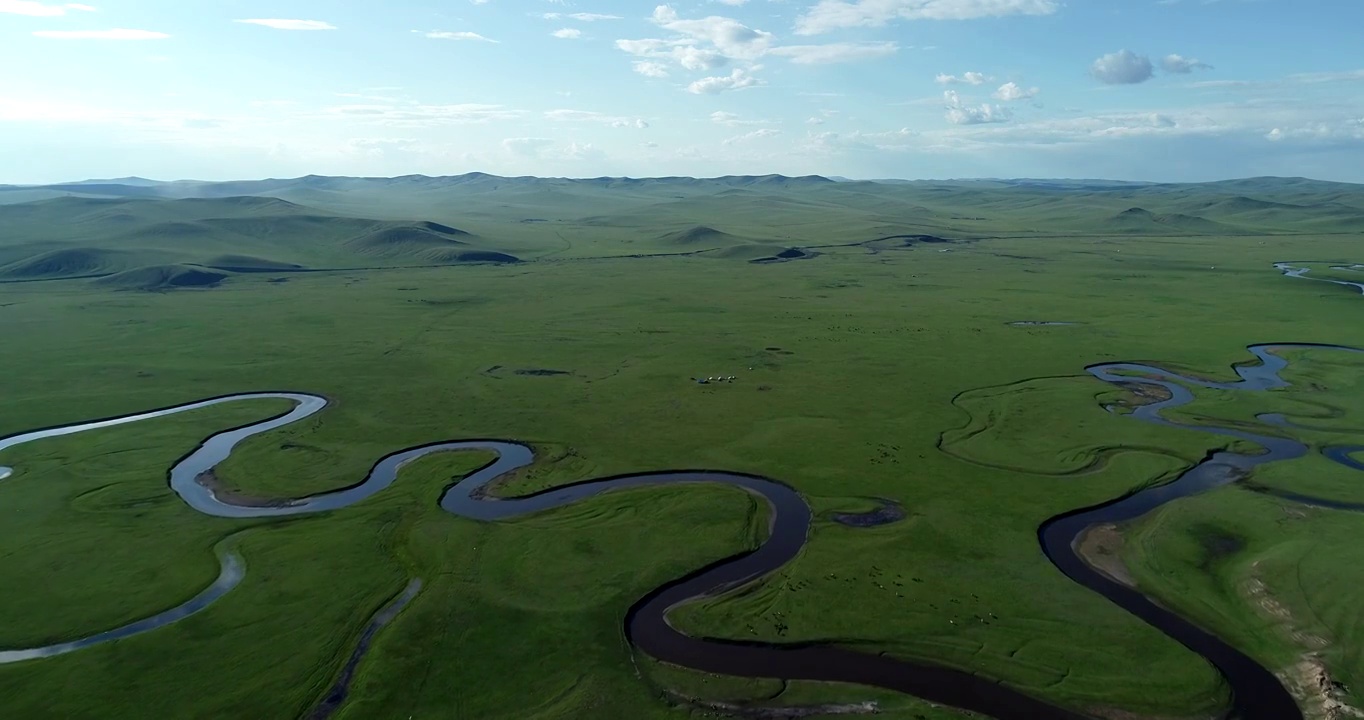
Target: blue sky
{"x": 1125, "y": 89}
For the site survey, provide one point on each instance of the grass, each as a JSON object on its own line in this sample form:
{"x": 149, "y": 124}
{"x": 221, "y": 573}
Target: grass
{"x": 848, "y": 367}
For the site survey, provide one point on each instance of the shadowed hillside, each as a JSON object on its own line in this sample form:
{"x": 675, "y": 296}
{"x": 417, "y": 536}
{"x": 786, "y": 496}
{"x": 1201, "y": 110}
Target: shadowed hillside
{"x": 161, "y": 277}
{"x": 71, "y": 237}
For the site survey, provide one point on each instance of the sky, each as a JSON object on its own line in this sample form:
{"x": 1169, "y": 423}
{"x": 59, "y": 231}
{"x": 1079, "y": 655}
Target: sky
{"x": 1159, "y": 90}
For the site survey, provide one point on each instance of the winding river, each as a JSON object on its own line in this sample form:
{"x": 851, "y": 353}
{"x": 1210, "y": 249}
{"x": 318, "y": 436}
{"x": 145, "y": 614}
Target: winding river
{"x": 1258, "y": 695}
{"x": 1295, "y": 271}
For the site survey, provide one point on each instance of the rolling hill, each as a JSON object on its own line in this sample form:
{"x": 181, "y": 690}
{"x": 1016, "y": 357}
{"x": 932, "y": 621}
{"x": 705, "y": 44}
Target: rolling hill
{"x": 71, "y": 237}
{"x": 105, "y": 227}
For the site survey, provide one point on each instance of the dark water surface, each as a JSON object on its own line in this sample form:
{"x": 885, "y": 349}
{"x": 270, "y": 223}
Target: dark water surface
{"x": 1258, "y": 693}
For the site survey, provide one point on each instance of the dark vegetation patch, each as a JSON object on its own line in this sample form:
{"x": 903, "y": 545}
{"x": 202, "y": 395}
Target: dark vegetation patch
{"x": 912, "y": 239}
{"x": 407, "y": 240}
{"x": 452, "y": 302}
{"x": 249, "y": 264}
{"x": 542, "y": 372}
{"x": 785, "y": 256}
{"x": 71, "y": 262}
{"x": 1141, "y": 220}
{"x": 476, "y": 256}
{"x": 1217, "y": 544}
{"x": 888, "y": 512}
{"x": 696, "y": 235}
{"x": 162, "y": 277}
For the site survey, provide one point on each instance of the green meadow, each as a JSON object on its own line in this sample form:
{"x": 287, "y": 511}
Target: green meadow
{"x": 878, "y": 359}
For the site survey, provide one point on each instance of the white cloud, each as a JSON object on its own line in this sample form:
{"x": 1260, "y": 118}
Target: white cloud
{"x": 1010, "y": 91}
{"x": 651, "y": 69}
{"x": 545, "y": 149}
{"x": 967, "y": 78}
{"x": 645, "y": 47}
{"x": 113, "y": 34}
{"x": 38, "y": 9}
{"x": 712, "y": 42}
{"x": 1174, "y": 63}
{"x": 592, "y": 116}
{"x": 729, "y": 37}
{"x": 381, "y": 147}
{"x": 731, "y": 2}
{"x": 828, "y": 15}
{"x": 1122, "y": 68}
{"x": 567, "y": 33}
{"x": 721, "y": 117}
{"x": 422, "y": 115}
{"x": 282, "y": 24}
{"x": 681, "y": 51}
{"x": 814, "y": 121}
{"x": 959, "y": 113}
{"x": 455, "y": 35}
{"x": 829, "y": 143}
{"x": 1347, "y": 76}
{"x": 750, "y": 136}
{"x": 693, "y": 58}
{"x": 581, "y": 16}
{"x": 1349, "y": 130}
{"x": 738, "y": 79}
{"x": 835, "y": 52}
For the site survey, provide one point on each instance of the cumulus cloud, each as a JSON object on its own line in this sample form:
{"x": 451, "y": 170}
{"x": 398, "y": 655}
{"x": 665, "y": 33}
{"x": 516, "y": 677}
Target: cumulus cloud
{"x": 730, "y": 37}
{"x": 1010, "y": 91}
{"x": 835, "y": 52}
{"x": 648, "y": 68}
{"x": 567, "y": 33}
{"x": 1122, "y": 68}
{"x": 750, "y": 136}
{"x": 738, "y": 79}
{"x": 693, "y": 58}
{"x": 967, "y": 78}
{"x": 38, "y": 9}
{"x": 455, "y": 35}
{"x": 959, "y": 113}
{"x": 828, "y": 15}
{"x": 1174, "y": 63}
{"x": 283, "y": 24}
{"x": 112, "y": 34}
{"x": 814, "y": 121}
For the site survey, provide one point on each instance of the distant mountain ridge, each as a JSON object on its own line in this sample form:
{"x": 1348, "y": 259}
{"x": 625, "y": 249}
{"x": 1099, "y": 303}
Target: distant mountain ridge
{"x": 172, "y": 235}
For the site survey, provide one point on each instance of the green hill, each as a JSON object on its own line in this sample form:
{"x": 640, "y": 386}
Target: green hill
{"x": 69, "y": 262}
{"x": 698, "y": 235}
{"x": 161, "y": 277}
{"x": 1140, "y": 220}
{"x": 83, "y": 236}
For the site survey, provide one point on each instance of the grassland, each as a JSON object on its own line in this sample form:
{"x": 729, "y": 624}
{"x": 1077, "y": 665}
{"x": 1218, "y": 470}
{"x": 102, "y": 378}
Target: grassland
{"x": 853, "y": 366}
